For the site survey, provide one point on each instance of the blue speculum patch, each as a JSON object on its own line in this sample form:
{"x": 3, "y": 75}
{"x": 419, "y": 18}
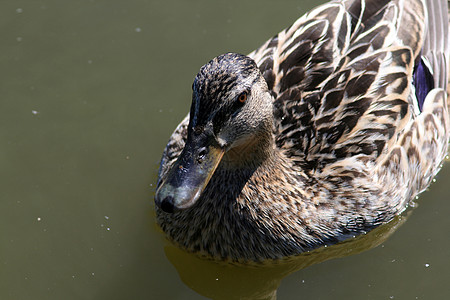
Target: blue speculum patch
{"x": 423, "y": 82}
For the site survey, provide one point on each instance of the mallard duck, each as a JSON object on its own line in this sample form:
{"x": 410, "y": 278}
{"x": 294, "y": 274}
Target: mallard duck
{"x": 325, "y": 132}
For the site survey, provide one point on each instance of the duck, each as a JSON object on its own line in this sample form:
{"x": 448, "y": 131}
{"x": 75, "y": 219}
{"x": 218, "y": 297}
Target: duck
{"x": 328, "y": 130}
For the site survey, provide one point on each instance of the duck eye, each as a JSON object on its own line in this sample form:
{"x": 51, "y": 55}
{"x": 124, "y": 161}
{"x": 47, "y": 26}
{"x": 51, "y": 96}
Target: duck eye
{"x": 242, "y": 97}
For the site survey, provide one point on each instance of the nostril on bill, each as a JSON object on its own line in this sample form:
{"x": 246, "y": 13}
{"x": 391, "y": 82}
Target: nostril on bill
{"x": 201, "y": 155}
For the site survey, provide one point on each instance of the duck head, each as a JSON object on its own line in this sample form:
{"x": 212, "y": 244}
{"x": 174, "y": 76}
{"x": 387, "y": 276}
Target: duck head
{"x": 231, "y": 109}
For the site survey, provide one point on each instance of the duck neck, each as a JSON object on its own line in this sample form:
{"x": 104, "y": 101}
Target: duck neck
{"x": 255, "y": 152}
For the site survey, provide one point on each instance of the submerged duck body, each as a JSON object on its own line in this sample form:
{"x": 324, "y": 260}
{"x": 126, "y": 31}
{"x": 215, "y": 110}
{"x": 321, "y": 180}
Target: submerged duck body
{"x": 325, "y": 132}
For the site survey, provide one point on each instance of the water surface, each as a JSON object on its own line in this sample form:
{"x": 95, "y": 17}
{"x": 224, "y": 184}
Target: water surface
{"x": 90, "y": 92}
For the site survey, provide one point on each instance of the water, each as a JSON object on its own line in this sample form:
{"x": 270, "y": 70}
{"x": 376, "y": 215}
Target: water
{"x": 90, "y": 92}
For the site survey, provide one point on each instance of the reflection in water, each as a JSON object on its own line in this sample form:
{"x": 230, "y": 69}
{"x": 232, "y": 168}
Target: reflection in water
{"x": 218, "y": 280}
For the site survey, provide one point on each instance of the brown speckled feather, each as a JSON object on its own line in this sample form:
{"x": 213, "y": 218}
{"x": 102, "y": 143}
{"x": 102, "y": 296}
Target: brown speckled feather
{"x": 328, "y": 110}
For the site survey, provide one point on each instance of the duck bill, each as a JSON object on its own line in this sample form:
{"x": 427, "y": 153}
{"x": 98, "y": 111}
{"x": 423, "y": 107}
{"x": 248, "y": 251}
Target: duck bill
{"x": 188, "y": 177}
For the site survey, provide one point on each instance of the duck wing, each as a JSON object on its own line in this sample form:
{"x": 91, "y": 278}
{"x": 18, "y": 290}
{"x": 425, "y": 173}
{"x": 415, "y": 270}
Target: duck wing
{"x": 416, "y": 156}
{"x": 341, "y": 78}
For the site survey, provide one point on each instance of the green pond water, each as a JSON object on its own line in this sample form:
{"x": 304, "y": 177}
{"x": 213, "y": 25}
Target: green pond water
{"x": 90, "y": 92}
